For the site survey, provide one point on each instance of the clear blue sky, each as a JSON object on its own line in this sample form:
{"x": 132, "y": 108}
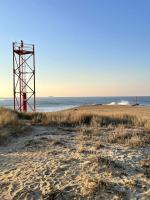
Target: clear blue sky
{"x": 83, "y": 47}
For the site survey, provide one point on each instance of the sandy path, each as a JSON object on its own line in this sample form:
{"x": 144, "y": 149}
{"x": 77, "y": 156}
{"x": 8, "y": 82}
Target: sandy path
{"x": 52, "y": 163}
{"x": 31, "y": 164}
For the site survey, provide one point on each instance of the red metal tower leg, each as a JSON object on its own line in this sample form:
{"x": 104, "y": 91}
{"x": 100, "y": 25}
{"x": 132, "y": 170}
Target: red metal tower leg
{"x": 24, "y": 77}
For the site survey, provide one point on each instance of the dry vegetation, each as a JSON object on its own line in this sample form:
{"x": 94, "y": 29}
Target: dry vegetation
{"x": 10, "y": 125}
{"x": 75, "y": 154}
{"x": 73, "y": 118}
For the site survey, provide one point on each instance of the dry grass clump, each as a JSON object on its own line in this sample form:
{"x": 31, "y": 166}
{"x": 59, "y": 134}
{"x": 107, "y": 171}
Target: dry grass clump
{"x": 62, "y": 118}
{"x": 128, "y": 137}
{"x": 10, "y": 124}
{"x": 7, "y": 117}
{"x": 94, "y": 186}
{"x": 147, "y": 124}
{"x": 115, "y": 119}
{"x": 101, "y": 137}
{"x": 119, "y": 135}
{"x": 88, "y": 185}
{"x": 134, "y": 141}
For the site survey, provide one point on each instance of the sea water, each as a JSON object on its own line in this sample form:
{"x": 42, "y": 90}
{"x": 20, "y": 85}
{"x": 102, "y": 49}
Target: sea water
{"x": 50, "y": 104}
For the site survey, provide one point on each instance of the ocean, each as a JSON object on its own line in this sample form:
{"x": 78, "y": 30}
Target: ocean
{"x": 50, "y": 104}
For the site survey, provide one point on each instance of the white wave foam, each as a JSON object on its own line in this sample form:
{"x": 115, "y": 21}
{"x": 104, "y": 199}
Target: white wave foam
{"x": 112, "y": 103}
{"x": 123, "y": 103}
{"x": 119, "y": 103}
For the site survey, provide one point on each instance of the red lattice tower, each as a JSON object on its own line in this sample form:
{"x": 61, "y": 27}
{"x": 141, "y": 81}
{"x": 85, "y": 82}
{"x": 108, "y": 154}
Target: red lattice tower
{"x": 24, "y": 77}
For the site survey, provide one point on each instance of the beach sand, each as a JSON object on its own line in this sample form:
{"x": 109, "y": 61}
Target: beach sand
{"x": 72, "y": 163}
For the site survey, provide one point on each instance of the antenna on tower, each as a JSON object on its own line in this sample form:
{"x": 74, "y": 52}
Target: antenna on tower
{"x": 24, "y": 77}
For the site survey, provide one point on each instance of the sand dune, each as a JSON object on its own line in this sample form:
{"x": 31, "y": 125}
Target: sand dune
{"x": 73, "y": 163}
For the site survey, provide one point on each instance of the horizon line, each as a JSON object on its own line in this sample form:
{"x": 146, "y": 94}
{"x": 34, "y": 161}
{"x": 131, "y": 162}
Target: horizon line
{"x": 84, "y": 96}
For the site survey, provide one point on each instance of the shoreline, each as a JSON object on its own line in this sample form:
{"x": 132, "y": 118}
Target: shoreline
{"x": 71, "y": 107}
{"x": 50, "y": 104}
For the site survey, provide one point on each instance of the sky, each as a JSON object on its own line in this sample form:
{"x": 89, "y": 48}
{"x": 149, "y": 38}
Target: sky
{"x": 83, "y": 47}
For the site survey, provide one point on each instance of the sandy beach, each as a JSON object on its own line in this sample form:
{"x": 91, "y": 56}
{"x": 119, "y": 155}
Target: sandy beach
{"x": 82, "y": 162}
{"x": 75, "y": 100}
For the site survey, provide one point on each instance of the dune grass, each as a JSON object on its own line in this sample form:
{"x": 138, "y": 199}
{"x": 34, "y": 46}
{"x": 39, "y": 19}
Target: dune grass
{"x": 92, "y": 131}
{"x": 12, "y": 123}
{"x": 71, "y": 119}
{"x": 7, "y": 117}
{"x": 78, "y": 118}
